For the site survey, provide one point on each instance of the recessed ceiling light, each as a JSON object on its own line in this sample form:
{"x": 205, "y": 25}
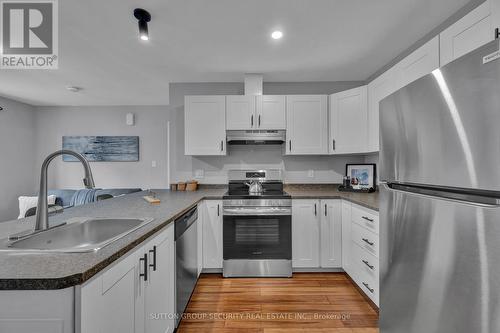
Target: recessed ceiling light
{"x": 74, "y": 89}
{"x": 277, "y": 34}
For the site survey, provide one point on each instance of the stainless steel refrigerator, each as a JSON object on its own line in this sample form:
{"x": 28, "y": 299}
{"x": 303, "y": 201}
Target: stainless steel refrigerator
{"x": 440, "y": 200}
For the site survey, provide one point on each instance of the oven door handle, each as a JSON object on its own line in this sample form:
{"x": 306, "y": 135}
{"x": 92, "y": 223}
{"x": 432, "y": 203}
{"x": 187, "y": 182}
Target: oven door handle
{"x": 282, "y": 211}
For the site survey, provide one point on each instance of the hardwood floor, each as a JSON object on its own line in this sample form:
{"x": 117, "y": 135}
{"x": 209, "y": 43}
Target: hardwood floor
{"x": 306, "y": 303}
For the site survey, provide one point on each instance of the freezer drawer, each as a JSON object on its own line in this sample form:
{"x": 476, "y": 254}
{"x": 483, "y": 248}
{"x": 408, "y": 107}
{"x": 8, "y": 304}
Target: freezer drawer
{"x": 438, "y": 268}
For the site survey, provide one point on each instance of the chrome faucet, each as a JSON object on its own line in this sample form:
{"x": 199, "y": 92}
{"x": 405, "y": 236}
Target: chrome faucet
{"x": 42, "y": 210}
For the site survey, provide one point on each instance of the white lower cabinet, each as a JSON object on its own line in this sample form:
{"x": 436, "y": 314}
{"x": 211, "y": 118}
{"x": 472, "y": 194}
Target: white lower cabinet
{"x": 360, "y": 242}
{"x": 212, "y": 234}
{"x": 305, "y": 233}
{"x": 346, "y": 236}
{"x": 199, "y": 230}
{"x": 316, "y": 234}
{"x": 136, "y": 294}
{"x": 331, "y": 234}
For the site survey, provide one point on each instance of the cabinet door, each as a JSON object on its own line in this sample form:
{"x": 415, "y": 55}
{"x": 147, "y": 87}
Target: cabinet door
{"x": 305, "y": 233}
{"x": 418, "y": 64}
{"x": 349, "y": 121}
{"x": 113, "y": 301}
{"x": 240, "y": 113}
{"x": 495, "y": 17}
{"x": 160, "y": 286}
{"x": 346, "y": 236}
{"x": 271, "y": 112}
{"x": 205, "y": 125}
{"x": 212, "y": 234}
{"x": 307, "y": 125}
{"x": 201, "y": 218}
{"x": 472, "y": 31}
{"x": 378, "y": 89}
{"x": 331, "y": 233}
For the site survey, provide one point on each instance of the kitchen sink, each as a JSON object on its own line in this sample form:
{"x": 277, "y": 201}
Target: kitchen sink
{"x": 87, "y": 235}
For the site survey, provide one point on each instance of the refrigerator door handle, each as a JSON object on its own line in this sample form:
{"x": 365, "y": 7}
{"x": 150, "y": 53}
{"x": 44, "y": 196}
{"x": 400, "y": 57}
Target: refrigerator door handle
{"x": 463, "y": 196}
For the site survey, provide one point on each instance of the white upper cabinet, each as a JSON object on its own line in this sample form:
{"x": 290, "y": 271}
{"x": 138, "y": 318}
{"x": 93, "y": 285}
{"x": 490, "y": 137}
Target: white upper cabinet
{"x": 418, "y": 64}
{"x": 472, "y": 31}
{"x": 349, "y": 121}
{"x": 271, "y": 112}
{"x": 307, "y": 124}
{"x": 495, "y": 16}
{"x": 205, "y": 125}
{"x": 378, "y": 89}
{"x": 240, "y": 113}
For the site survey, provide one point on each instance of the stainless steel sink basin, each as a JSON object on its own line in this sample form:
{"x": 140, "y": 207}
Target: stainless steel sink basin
{"x": 82, "y": 236}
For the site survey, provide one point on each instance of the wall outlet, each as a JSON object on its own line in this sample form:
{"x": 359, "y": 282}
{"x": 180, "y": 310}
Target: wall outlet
{"x": 199, "y": 173}
{"x": 310, "y": 174}
{"x": 154, "y": 164}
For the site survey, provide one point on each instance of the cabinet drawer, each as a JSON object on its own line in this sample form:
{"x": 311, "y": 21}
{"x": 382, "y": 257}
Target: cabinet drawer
{"x": 367, "y": 264}
{"x": 371, "y": 289}
{"x": 365, "y": 239}
{"x": 365, "y": 217}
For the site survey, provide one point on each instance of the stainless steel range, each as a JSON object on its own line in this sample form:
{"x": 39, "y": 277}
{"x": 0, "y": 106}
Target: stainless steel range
{"x": 257, "y": 227}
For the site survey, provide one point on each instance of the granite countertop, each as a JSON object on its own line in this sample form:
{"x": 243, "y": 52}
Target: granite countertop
{"x": 330, "y": 191}
{"x": 31, "y": 270}
{"x": 24, "y": 270}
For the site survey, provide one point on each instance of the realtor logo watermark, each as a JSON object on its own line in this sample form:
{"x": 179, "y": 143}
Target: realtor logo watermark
{"x": 28, "y": 34}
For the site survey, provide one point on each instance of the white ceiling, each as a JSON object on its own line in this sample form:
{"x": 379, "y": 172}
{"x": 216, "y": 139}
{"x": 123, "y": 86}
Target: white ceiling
{"x": 219, "y": 40}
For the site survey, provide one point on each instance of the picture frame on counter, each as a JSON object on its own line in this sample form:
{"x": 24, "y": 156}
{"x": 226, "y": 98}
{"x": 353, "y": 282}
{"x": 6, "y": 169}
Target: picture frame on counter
{"x": 362, "y": 176}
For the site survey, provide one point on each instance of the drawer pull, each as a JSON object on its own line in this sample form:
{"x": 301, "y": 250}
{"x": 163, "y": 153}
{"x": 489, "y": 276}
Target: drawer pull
{"x": 144, "y": 260}
{"x": 368, "y": 264}
{"x": 368, "y": 242}
{"x": 367, "y": 218}
{"x": 153, "y": 264}
{"x": 368, "y": 287}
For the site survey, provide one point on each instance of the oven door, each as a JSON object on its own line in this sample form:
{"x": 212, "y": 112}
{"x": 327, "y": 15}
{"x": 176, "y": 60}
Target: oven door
{"x": 258, "y": 236}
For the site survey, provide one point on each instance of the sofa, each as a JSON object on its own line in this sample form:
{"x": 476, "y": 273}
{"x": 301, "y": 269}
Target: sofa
{"x": 64, "y": 197}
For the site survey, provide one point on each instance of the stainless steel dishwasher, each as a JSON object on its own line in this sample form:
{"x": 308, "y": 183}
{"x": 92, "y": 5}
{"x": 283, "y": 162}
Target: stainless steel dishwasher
{"x": 186, "y": 260}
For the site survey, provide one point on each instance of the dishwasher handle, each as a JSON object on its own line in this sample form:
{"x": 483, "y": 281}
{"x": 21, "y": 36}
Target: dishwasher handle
{"x": 185, "y": 221}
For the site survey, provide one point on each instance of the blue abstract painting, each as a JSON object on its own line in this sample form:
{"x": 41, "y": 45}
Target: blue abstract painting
{"x": 103, "y": 148}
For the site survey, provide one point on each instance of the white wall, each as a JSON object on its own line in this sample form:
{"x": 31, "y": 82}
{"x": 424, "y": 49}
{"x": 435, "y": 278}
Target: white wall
{"x": 17, "y": 162}
{"x": 53, "y": 123}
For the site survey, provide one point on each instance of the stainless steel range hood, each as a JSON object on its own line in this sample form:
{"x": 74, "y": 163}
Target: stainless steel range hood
{"x": 260, "y": 137}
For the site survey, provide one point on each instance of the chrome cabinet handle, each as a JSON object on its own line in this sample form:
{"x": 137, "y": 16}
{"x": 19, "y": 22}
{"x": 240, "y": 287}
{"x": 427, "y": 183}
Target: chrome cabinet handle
{"x": 153, "y": 264}
{"x": 259, "y": 120}
{"x": 367, "y": 241}
{"x": 251, "y": 121}
{"x": 290, "y": 144}
{"x": 368, "y": 264}
{"x": 315, "y": 210}
{"x": 222, "y": 145}
{"x": 144, "y": 261}
{"x": 497, "y": 33}
{"x": 333, "y": 144}
{"x": 368, "y": 287}
{"x": 367, "y": 218}
{"x": 326, "y": 211}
